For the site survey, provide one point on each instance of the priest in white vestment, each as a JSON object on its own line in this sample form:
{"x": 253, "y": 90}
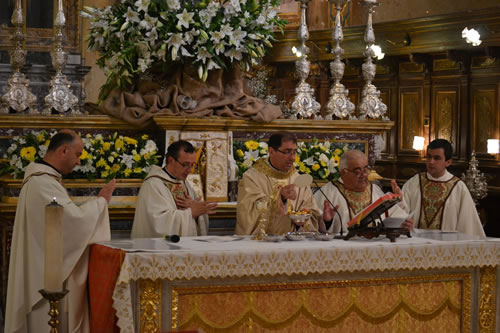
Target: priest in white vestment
{"x": 166, "y": 204}
{"x": 352, "y": 193}
{"x": 439, "y": 200}
{"x": 26, "y": 310}
{"x": 272, "y": 180}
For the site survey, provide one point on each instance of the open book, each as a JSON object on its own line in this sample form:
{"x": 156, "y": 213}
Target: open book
{"x": 374, "y": 211}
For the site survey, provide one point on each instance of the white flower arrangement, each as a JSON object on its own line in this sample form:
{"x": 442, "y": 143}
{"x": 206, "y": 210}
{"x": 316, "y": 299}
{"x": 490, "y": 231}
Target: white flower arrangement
{"x": 133, "y": 36}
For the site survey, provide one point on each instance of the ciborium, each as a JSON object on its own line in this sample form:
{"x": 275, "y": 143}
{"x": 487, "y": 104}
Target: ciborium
{"x": 304, "y": 105}
{"x": 475, "y": 180}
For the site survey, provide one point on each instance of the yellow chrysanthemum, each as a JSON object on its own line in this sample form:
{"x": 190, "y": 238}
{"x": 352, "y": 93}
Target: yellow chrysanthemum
{"x": 252, "y": 144}
{"x": 302, "y": 167}
{"x": 101, "y": 163}
{"x": 145, "y": 137}
{"x": 337, "y": 151}
{"x": 40, "y": 137}
{"x": 138, "y": 170}
{"x": 297, "y": 158}
{"x": 28, "y": 153}
{"x": 240, "y": 153}
{"x": 323, "y": 163}
{"x": 104, "y": 174}
{"x": 308, "y": 171}
{"x": 84, "y": 155}
{"x": 136, "y": 157}
{"x": 119, "y": 144}
{"x": 115, "y": 168}
{"x": 316, "y": 167}
{"x": 130, "y": 141}
{"x": 127, "y": 172}
{"x": 106, "y": 146}
{"x": 115, "y": 154}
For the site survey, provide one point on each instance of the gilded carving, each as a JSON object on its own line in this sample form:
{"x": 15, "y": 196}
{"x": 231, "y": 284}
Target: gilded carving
{"x": 410, "y": 119}
{"x": 445, "y": 113}
{"x": 483, "y": 111}
{"x": 487, "y": 307}
{"x": 150, "y": 305}
{"x": 445, "y": 65}
{"x": 410, "y": 67}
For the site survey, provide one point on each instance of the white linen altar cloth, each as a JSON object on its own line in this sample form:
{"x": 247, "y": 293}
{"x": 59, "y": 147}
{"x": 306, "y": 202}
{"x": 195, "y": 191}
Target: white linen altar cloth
{"x": 234, "y": 256}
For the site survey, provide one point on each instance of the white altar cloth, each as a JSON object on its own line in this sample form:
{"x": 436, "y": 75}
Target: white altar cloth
{"x": 234, "y": 256}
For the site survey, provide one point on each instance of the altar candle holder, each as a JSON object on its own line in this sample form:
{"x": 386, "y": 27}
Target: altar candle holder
{"x": 60, "y": 97}
{"x": 371, "y": 105}
{"x": 53, "y": 298}
{"x": 18, "y": 96}
{"x": 304, "y": 105}
{"x": 339, "y": 104}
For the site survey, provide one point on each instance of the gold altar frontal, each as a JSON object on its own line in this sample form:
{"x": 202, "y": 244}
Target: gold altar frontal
{"x": 414, "y": 285}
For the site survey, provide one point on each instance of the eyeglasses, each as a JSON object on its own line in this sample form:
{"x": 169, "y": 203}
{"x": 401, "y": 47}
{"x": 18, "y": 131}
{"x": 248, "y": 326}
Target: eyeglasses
{"x": 288, "y": 152}
{"x": 359, "y": 171}
{"x": 185, "y": 165}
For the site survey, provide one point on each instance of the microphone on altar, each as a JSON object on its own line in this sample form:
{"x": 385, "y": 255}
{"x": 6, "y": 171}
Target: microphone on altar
{"x": 172, "y": 238}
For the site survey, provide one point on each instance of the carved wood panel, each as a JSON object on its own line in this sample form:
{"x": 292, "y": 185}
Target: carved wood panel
{"x": 485, "y": 117}
{"x": 445, "y": 114}
{"x": 411, "y": 118}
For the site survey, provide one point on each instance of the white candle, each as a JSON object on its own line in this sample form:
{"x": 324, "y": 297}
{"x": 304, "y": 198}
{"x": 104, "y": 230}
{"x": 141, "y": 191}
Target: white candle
{"x": 53, "y": 247}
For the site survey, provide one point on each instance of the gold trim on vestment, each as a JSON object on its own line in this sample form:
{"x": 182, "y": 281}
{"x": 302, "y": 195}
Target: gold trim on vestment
{"x": 251, "y": 317}
{"x": 487, "y": 300}
{"x": 150, "y": 305}
{"x": 264, "y": 167}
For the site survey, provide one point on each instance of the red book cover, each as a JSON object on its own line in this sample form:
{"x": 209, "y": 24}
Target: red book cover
{"x": 375, "y": 210}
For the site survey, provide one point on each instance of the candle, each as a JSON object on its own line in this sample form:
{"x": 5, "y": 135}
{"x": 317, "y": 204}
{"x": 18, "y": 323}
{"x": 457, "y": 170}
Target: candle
{"x": 53, "y": 247}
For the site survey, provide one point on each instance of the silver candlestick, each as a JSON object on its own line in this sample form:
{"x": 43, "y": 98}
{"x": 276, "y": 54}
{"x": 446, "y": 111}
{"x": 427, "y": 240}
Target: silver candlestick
{"x": 18, "y": 96}
{"x": 304, "y": 105}
{"x": 371, "y": 106}
{"x": 60, "y": 97}
{"x": 475, "y": 180}
{"x": 339, "y": 104}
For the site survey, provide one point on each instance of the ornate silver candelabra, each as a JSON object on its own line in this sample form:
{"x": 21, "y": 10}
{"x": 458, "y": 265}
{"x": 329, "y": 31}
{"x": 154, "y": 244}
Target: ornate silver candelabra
{"x": 475, "y": 180}
{"x": 371, "y": 106}
{"x": 304, "y": 105}
{"x": 60, "y": 96}
{"x": 339, "y": 104}
{"x": 18, "y": 96}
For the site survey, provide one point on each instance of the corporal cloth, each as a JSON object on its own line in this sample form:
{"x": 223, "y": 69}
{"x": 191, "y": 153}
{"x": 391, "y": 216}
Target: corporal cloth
{"x": 26, "y": 310}
{"x": 156, "y": 213}
{"x": 447, "y": 204}
{"x": 351, "y": 203}
{"x": 261, "y": 182}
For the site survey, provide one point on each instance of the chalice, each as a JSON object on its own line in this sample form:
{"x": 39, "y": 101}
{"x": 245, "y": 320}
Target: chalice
{"x": 262, "y": 208}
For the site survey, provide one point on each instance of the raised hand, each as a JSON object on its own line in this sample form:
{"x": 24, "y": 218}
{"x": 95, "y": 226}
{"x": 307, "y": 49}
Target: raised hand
{"x": 329, "y": 211}
{"x": 395, "y": 189}
{"x": 288, "y": 192}
{"x": 107, "y": 190}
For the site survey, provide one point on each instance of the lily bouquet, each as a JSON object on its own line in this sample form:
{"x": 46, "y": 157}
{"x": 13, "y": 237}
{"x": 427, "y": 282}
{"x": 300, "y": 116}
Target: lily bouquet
{"x": 132, "y": 36}
{"x": 113, "y": 156}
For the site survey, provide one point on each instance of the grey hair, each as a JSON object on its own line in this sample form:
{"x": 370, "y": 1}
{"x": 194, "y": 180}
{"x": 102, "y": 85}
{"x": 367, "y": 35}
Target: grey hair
{"x": 349, "y": 156}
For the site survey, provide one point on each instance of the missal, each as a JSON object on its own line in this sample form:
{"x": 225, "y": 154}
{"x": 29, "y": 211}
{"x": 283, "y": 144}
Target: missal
{"x": 374, "y": 211}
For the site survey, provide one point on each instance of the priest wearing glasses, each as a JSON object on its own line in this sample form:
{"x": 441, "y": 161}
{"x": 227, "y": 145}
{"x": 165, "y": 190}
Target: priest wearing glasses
{"x": 166, "y": 204}
{"x": 271, "y": 180}
{"x": 353, "y": 192}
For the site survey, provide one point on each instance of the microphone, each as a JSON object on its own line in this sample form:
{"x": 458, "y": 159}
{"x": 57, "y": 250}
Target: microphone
{"x": 338, "y": 214}
{"x": 172, "y": 238}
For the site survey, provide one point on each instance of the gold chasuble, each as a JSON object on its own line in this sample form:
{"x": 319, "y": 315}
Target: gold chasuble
{"x": 356, "y": 201}
{"x": 263, "y": 182}
{"x": 434, "y": 196}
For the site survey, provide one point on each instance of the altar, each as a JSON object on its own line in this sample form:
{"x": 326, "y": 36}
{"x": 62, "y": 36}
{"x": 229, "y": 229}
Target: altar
{"x": 432, "y": 281}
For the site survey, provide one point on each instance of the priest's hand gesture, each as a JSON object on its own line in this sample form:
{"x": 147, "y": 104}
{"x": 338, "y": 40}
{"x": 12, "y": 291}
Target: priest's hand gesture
{"x": 197, "y": 206}
{"x": 107, "y": 190}
{"x": 396, "y": 189}
{"x": 288, "y": 192}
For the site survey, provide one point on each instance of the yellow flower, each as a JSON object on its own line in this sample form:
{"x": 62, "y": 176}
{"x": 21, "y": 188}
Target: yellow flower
{"x": 28, "y": 153}
{"x": 297, "y": 158}
{"x": 326, "y": 174}
{"x": 302, "y": 167}
{"x": 337, "y": 152}
{"x": 39, "y": 137}
{"x": 101, "y": 163}
{"x": 308, "y": 171}
{"x": 115, "y": 168}
{"x": 337, "y": 158}
{"x": 106, "y": 146}
{"x": 114, "y": 154}
{"x": 323, "y": 163}
{"x": 47, "y": 143}
{"x": 104, "y": 174}
{"x": 84, "y": 155}
{"x": 145, "y": 137}
{"x": 119, "y": 144}
{"x": 322, "y": 148}
{"x": 252, "y": 144}
{"x": 130, "y": 141}
{"x": 240, "y": 153}
{"x": 138, "y": 170}
{"x": 136, "y": 157}
{"x": 127, "y": 172}
{"x": 146, "y": 156}
{"x": 316, "y": 167}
